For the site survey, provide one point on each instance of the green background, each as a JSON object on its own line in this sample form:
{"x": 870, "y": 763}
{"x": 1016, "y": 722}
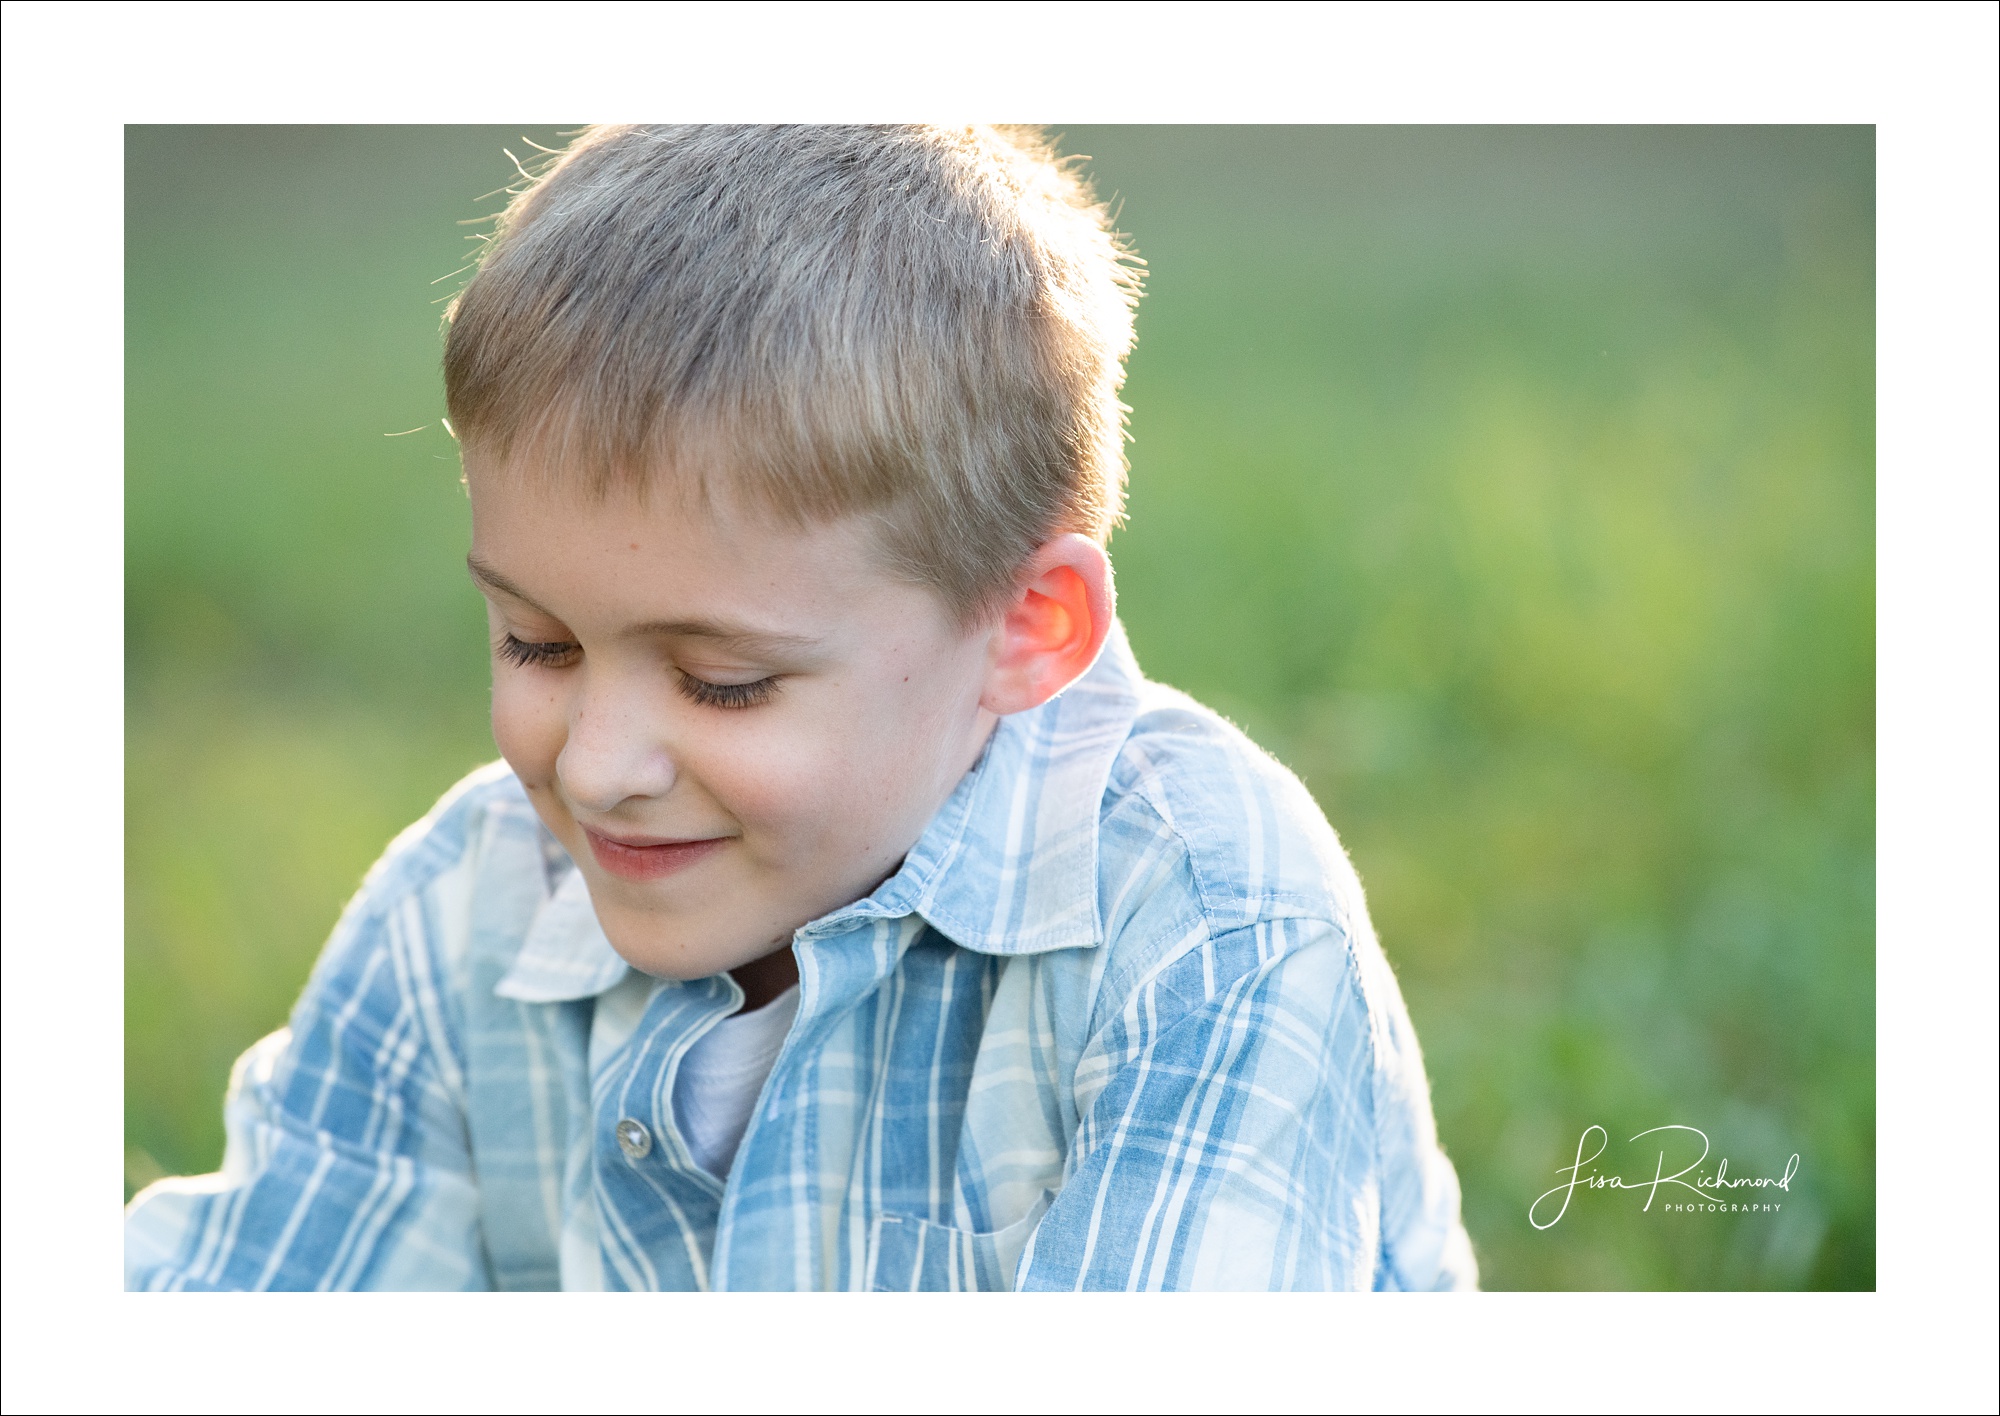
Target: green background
{"x": 1515, "y": 486}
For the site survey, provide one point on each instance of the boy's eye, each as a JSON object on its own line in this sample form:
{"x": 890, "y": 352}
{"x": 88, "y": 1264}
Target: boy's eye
{"x": 529, "y": 654}
{"x": 727, "y": 695}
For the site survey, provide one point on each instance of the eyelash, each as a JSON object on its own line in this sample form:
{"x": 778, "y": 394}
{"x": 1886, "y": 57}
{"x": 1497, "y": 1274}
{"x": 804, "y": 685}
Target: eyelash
{"x": 710, "y": 695}
{"x": 726, "y": 695}
{"x": 536, "y": 656}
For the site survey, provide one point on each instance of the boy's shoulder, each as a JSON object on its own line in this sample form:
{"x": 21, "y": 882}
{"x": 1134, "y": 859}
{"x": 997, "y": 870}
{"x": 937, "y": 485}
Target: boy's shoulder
{"x": 1126, "y": 813}
{"x": 483, "y": 809}
{"x": 478, "y": 858}
{"x": 1257, "y": 845}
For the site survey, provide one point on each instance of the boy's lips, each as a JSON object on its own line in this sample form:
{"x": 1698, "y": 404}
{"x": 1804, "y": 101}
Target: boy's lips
{"x": 649, "y": 857}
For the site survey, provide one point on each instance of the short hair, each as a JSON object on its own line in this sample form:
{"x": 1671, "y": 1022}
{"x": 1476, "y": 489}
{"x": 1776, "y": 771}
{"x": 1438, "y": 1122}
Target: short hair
{"x": 924, "y": 326}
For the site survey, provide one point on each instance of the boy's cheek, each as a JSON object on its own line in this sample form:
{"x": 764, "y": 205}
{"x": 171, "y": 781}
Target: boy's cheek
{"x": 768, "y": 784}
{"x": 528, "y": 730}
{"x": 822, "y": 799}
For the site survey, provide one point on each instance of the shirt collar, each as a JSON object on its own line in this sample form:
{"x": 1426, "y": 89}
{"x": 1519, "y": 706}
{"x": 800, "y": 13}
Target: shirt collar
{"x": 1007, "y": 866}
{"x": 565, "y": 955}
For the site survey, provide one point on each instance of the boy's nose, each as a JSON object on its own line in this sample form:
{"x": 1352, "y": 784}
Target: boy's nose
{"x": 610, "y": 757}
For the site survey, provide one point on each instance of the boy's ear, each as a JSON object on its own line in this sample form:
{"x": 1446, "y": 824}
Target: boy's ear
{"x": 1052, "y": 628}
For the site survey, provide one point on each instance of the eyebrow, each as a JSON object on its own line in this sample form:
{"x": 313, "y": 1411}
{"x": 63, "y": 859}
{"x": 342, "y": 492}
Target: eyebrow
{"x": 724, "y": 634}
{"x": 493, "y": 580}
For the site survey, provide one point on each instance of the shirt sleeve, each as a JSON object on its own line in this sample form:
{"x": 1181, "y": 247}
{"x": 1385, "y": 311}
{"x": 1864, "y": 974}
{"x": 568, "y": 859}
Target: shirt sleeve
{"x": 347, "y": 1163}
{"x": 1253, "y": 1115}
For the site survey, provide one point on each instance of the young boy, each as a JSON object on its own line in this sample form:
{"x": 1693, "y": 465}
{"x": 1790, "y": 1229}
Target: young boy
{"x": 848, "y": 911}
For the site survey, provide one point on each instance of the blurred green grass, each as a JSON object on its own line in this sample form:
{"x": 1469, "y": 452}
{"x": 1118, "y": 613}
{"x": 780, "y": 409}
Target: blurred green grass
{"x": 1514, "y": 486}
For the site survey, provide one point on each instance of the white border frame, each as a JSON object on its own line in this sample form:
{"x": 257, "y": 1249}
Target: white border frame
{"x": 1925, "y": 73}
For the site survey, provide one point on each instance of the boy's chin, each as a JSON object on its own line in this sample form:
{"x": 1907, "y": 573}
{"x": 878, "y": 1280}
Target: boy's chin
{"x": 683, "y": 950}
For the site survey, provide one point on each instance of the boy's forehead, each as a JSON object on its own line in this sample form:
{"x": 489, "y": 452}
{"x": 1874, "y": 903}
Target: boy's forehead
{"x": 672, "y": 563}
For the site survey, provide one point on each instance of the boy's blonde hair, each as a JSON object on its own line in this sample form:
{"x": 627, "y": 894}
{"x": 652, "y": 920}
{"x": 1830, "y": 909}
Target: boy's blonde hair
{"x": 925, "y": 326}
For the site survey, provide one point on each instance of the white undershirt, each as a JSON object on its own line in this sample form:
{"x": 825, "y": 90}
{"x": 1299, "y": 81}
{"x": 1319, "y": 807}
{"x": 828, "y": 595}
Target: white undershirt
{"x": 720, "y": 1077}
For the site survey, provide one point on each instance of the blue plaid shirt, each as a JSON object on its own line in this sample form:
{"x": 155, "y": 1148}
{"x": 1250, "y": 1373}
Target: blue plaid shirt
{"x": 1118, "y": 1022}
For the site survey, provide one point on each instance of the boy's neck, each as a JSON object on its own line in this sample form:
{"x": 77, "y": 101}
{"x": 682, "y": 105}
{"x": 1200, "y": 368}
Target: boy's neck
{"x": 764, "y": 979}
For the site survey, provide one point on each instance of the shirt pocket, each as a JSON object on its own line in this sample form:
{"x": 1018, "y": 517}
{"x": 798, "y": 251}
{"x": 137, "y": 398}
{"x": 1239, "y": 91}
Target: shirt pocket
{"x": 909, "y": 1255}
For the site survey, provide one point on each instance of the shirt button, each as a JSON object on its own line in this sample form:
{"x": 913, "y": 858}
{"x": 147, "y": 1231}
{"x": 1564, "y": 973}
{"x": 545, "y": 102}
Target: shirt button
{"x": 633, "y": 1138}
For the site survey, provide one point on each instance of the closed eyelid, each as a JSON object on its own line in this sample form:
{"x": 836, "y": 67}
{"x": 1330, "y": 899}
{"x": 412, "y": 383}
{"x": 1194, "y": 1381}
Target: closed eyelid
{"x": 741, "y": 642}
{"x": 529, "y": 653}
{"x": 753, "y": 646}
{"x": 729, "y": 696}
